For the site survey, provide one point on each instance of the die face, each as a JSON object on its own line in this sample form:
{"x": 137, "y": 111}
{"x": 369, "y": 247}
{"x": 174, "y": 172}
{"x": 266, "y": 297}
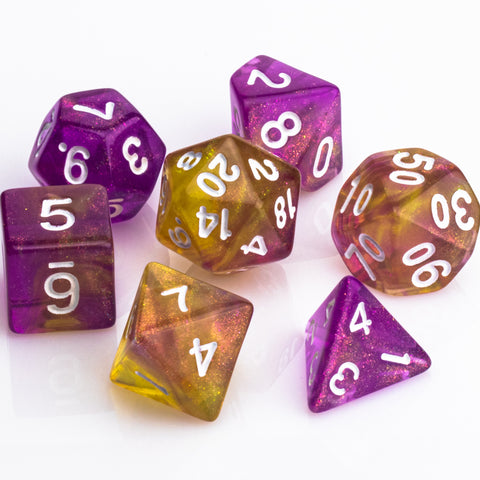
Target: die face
{"x": 58, "y": 254}
{"x": 97, "y": 136}
{"x": 181, "y": 342}
{"x": 355, "y": 347}
{"x": 290, "y": 113}
{"x": 406, "y": 221}
{"x": 227, "y": 205}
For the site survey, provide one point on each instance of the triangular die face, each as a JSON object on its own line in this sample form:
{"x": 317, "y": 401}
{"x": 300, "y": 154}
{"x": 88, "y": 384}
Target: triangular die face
{"x": 188, "y": 335}
{"x": 131, "y": 370}
{"x": 358, "y": 349}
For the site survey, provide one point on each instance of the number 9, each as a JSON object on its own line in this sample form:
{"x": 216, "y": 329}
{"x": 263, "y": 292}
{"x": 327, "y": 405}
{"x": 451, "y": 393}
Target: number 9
{"x": 73, "y": 292}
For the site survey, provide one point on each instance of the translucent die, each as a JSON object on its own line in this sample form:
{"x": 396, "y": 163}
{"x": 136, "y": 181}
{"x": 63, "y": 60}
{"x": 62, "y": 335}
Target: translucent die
{"x": 97, "y": 136}
{"x": 355, "y": 347}
{"x": 58, "y": 257}
{"x": 227, "y": 205}
{"x": 406, "y": 221}
{"x": 181, "y": 342}
{"x": 290, "y": 113}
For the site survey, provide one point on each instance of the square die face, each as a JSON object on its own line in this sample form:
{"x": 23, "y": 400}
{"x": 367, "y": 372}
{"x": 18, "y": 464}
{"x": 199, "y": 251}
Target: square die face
{"x": 65, "y": 214}
{"x": 60, "y": 288}
{"x": 58, "y": 253}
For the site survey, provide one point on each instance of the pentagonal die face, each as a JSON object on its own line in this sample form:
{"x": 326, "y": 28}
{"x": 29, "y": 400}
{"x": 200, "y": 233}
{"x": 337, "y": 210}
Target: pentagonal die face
{"x": 97, "y": 136}
{"x": 227, "y": 205}
{"x": 290, "y": 113}
{"x": 406, "y": 221}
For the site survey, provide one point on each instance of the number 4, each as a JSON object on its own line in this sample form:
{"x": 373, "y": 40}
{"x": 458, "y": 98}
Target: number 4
{"x": 203, "y": 364}
{"x": 364, "y": 324}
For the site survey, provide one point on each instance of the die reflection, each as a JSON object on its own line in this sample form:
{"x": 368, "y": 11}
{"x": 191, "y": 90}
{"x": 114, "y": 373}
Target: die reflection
{"x": 61, "y": 373}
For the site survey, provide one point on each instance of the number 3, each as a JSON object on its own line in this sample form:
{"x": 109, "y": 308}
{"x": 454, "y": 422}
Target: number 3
{"x": 460, "y": 212}
{"x": 132, "y": 158}
{"x": 339, "y": 376}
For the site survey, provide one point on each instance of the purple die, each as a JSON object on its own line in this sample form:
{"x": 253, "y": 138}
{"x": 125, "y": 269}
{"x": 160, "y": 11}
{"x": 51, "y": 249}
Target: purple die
{"x": 293, "y": 114}
{"x": 354, "y": 347}
{"x": 97, "y": 136}
{"x": 58, "y": 258}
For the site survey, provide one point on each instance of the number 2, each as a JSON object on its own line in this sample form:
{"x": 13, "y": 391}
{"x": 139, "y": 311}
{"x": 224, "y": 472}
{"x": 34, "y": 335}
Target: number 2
{"x": 254, "y": 74}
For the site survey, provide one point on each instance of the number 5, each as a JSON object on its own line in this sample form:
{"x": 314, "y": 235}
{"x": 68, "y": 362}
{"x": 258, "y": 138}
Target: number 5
{"x": 48, "y": 211}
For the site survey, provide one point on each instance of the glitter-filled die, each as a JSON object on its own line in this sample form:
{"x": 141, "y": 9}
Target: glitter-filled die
{"x": 290, "y": 113}
{"x": 354, "y": 347}
{"x": 181, "y": 341}
{"x": 227, "y": 205}
{"x": 58, "y": 253}
{"x": 406, "y": 221}
{"x": 98, "y": 136}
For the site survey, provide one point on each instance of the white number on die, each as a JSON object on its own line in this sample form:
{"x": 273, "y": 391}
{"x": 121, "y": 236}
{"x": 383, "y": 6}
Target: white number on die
{"x": 339, "y": 377}
{"x": 189, "y": 160}
{"x": 49, "y": 211}
{"x": 205, "y": 180}
{"x": 182, "y": 296}
{"x": 411, "y": 258}
{"x": 371, "y": 247}
{"x": 179, "y": 236}
{"x": 405, "y": 177}
{"x": 254, "y": 74}
{"x": 362, "y": 199}
{"x": 203, "y": 363}
{"x": 132, "y": 158}
{"x": 259, "y": 170}
{"x": 72, "y": 163}
{"x": 115, "y": 204}
{"x": 256, "y": 246}
{"x": 280, "y": 212}
{"x": 73, "y": 291}
{"x": 360, "y": 314}
{"x": 207, "y": 222}
{"x": 280, "y": 125}
{"x": 106, "y": 115}
{"x": 328, "y": 142}
{"x": 438, "y": 200}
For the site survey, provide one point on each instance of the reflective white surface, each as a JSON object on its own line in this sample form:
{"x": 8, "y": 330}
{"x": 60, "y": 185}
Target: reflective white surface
{"x": 408, "y": 76}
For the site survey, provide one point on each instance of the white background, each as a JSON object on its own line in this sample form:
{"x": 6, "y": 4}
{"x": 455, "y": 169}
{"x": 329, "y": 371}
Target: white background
{"x": 409, "y": 77}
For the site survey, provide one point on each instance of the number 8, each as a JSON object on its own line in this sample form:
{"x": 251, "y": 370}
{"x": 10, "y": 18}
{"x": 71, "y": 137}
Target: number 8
{"x": 285, "y": 132}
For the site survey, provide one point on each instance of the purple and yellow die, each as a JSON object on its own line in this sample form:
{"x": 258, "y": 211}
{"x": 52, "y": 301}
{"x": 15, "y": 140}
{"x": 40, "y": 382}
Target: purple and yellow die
{"x": 227, "y": 204}
{"x": 406, "y": 221}
{"x": 58, "y": 258}
{"x": 290, "y": 113}
{"x": 181, "y": 342}
{"x": 97, "y": 136}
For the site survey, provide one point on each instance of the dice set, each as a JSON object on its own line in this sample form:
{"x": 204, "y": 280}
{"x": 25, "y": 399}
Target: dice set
{"x": 405, "y": 223}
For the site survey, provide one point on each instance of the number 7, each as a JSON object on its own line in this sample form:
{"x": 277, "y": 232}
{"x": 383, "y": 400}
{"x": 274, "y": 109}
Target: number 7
{"x": 182, "y": 293}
